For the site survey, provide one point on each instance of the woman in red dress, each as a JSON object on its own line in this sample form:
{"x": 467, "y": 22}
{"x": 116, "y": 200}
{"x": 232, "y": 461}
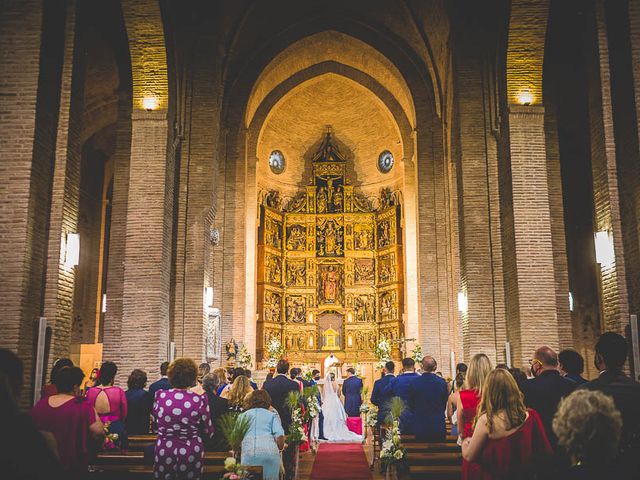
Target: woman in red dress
{"x": 468, "y": 400}
{"x": 508, "y": 440}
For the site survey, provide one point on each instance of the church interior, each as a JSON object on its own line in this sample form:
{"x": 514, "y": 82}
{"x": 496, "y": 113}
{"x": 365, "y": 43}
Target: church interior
{"x": 193, "y": 178}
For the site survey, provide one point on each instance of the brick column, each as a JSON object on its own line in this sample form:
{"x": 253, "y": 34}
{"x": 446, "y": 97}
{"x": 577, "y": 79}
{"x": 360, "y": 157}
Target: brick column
{"x": 614, "y": 301}
{"x": 144, "y": 334}
{"x": 31, "y": 52}
{"x": 531, "y": 296}
{"x": 66, "y": 193}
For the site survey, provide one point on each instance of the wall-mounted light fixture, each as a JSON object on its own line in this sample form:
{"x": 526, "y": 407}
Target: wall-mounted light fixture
{"x": 150, "y": 102}
{"x": 463, "y": 303}
{"x": 570, "y": 302}
{"x": 208, "y": 297}
{"x": 104, "y": 303}
{"x": 525, "y": 98}
{"x": 72, "y": 250}
{"x": 605, "y": 254}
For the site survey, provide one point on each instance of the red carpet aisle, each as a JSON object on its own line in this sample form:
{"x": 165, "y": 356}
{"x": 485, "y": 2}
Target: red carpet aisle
{"x": 340, "y": 461}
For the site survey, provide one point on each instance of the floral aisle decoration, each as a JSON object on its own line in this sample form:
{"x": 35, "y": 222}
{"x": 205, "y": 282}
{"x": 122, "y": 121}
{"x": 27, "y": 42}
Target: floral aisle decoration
{"x": 235, "y": 471}
{"x": 234, "y": 428}
{"x": 296, "y": 434}
{"x": 243, "y": 358}
{"x": 310, "y": 396}
{"x": 371, "y": 417}
{"x": 111, "y": 439}
{"x": 392, "y": 453}
{"x": 416, "y": 353}
{"x": 275, "y": 351}
{"x": 364, "y": 406}
{"x": 383, "y": 352}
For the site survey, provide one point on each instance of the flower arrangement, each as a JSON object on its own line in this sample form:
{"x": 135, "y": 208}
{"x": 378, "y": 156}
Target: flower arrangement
{"x": 111, "y": 440}
{"x": 243, "y": 358}
{"x": 371, "y": 417}
{"x": 308, "y": 375}
{"x": 313, "y": 408}
{"x": 416, "y": 353}
{"x": 275, "y": 351}
{"x": 383, "y": 352}
{"x": 392, "y": 451}
{"x": 364, "y": 406}
{"x": 235, "y": 471}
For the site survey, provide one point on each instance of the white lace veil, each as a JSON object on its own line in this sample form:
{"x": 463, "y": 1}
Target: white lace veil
{"x": 328, "y": 386}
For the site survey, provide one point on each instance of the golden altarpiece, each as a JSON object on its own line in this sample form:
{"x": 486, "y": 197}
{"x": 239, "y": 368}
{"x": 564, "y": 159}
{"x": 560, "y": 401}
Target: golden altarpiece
{"x": 330, "y": 267}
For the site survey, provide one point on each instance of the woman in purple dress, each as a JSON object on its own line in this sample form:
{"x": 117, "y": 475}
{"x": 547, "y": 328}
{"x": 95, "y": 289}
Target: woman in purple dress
{"x": 183, "y": 418}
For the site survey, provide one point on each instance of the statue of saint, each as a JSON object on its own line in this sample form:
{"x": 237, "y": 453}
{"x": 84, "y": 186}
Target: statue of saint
{"x": 330, "y": 284}
{"x": 321, "y": 200}
{"x": 329, "y": 238}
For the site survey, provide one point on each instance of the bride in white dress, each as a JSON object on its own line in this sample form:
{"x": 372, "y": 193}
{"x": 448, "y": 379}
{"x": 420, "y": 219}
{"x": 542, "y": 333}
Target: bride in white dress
{"x": 335, "y": 418}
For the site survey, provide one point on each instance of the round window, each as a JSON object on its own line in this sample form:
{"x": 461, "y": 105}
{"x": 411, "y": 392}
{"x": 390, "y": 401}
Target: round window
{"x": 385, "y": 161}
{"x": 276, "y": 162}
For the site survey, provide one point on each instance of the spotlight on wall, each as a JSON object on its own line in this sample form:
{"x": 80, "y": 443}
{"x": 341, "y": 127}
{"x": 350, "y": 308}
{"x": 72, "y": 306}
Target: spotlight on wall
{"x": 463, "y": 303}
{"x": 605, "y": 254}
{"x": 104, "y": 303}
{"x": 208, "y": 297}
{"x": 150, "y": 102}
{"x": 525, "y": 98}
{"x": 72, "y": 250}
{"x": 570, "y": 302}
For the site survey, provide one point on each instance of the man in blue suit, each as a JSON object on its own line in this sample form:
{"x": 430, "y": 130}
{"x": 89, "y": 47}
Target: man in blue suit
{"x": 163, "y": 383}
{"x": 399, "y": 387}
{"x": 427, "y": 402}
{"x": 352, "y": 390}
{"x": 379, "y": 399}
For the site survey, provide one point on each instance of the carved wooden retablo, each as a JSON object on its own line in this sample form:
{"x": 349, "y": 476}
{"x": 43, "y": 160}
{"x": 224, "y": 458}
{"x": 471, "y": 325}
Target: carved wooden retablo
{"x": 330, "y": 266}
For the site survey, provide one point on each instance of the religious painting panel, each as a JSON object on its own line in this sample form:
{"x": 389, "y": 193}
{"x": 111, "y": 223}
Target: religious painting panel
{"x": 363, "y": 236}
{"x": 364, "y": 308}
{"x": 272, "y": 307}
{"x": 296, "y": 237}
{"x": 329, "y": 194}
{"x": 296, "y": 309}
{"x": 330, "y": 284}
{"x": 388, "y": 306}
{"x": 364, "y": 271}
{"x": 386, "y": 234}
{"x": 387, "y": 268}
{"x": 296, "y": 273}
{"x": 329, "y": 237}
{"x": 272, "y": 232}
{"x": 273, "y": 268}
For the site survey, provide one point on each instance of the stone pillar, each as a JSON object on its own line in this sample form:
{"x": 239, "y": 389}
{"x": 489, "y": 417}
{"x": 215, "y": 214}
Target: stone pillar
{"x": 531, "y": 296}
{"x": 144, "y": 334}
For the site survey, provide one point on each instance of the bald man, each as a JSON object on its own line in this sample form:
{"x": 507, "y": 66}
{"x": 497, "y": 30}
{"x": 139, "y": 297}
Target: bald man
{"x": 543, "y": 393}
{"x": 427, "y": 403}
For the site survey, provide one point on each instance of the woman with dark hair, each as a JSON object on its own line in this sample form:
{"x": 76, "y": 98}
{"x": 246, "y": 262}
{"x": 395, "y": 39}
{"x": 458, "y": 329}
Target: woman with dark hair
{"x": 217, "y": 407}
{"x": 92, "y": 381}
{"x": 110, "y": 402}
{"x": 49, "y": 389}
{"x": 183, "y": 419}
{"x": 139, "y": 403}
{"x": 71, "y": 420}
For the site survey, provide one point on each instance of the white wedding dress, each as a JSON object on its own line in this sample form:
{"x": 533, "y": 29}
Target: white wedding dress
{"x": 335, "y": 418}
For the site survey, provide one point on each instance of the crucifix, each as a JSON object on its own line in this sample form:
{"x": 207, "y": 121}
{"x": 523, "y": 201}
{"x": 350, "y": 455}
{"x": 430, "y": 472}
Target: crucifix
{"x": 402, "y": 344}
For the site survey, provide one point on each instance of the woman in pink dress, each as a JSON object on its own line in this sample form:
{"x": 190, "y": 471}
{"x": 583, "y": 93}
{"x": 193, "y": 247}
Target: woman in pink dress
{"x": 183, "y": 418}
{"x": 110, "y": 402}
{"x": 71, "y": 420}
{"x": 508, "y": 440}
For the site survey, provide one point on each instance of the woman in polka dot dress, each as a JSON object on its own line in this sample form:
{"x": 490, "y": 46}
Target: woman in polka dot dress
{"x": 182, "y": 418}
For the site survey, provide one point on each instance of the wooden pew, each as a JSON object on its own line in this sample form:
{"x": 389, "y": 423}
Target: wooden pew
{"x": 440, "y": 447}
{"x": 406, "y": 439}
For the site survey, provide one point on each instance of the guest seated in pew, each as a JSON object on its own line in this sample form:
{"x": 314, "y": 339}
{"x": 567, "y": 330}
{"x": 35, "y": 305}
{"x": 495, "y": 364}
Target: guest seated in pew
{"x": 72, "y": 421}
{"x": 265, "y": 438}
{"x": 21, "y": 442}
{"x": 428, "y": 402}
{"x": 110, "y": 402}
{"x": 508, "y": 440}
{"x": 183, "y": 419}
{"x": 139, "y": 403}
{"x": 49, "y": 389}
{"x": 588, "y": 427}
{"x": 217, "y": 407}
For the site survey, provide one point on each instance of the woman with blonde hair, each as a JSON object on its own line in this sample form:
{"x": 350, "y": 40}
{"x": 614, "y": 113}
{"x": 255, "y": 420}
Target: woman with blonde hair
{"x": 469, "y": 398}
{"x": 508, "y": 440}
{"x": 203, "y": 371}
{"x": 237, "y": 393}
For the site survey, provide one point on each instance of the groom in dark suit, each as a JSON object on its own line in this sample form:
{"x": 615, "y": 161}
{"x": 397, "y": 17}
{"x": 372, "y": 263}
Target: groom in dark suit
{"x": 352, "y": 389}
{"x": 278, "y": 389}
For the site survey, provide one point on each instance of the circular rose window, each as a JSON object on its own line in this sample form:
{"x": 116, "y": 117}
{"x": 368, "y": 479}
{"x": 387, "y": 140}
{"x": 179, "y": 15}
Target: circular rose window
{"x": 385, "y": 161}
{"x": 276, "y": 162}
